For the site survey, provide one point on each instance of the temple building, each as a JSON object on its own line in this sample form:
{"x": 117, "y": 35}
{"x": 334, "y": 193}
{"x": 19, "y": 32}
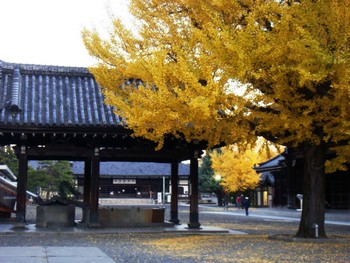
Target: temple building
{"x": 59, "y": 113}
{"x": 282, "y": 180}
{"x": 135, "y": 179}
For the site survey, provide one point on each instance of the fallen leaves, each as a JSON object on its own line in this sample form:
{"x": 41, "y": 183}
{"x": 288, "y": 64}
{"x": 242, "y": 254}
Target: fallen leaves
{"x": 232, "y": 248}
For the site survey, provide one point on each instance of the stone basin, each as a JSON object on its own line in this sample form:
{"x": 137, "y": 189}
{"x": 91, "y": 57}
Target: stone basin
{"x": 55, "y": 215}
{"x": 131, "y": 216}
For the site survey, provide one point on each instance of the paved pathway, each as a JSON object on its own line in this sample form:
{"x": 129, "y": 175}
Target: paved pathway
{"x": 53, "y": 255}
{"x": 275, "y": 217}
{"x": 333, "y": 217}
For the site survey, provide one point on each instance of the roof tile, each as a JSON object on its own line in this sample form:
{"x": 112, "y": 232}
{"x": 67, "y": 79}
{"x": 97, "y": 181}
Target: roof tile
{"x": 36, "y": 95}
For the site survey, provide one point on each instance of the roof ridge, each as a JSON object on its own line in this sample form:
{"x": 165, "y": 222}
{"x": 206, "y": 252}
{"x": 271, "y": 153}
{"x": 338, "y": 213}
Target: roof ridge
{"x": 16, "y": 91}
{"x": 45, "y": 69}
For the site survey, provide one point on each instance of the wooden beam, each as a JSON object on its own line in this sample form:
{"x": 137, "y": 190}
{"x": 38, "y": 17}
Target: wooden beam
{"x": 142, "y": 154}
{"x": 57, "y": 151}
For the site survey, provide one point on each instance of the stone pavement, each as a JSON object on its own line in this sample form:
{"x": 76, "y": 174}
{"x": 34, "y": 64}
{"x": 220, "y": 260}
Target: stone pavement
{"x": 53, "y": 255}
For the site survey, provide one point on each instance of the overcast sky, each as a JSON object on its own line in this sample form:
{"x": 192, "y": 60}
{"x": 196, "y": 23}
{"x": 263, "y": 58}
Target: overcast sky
{"x": 49, "y": 31}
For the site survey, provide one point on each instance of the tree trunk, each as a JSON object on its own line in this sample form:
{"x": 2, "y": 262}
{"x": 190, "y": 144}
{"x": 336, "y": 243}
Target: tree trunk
{"x": 313, "y": 211}
{"x": 219, "y": 196}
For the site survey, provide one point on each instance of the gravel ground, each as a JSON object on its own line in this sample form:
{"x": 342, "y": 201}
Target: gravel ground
{"x": 176, "y": 247}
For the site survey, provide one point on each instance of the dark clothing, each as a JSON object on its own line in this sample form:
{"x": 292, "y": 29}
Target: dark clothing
{"x": 246, "y": 204}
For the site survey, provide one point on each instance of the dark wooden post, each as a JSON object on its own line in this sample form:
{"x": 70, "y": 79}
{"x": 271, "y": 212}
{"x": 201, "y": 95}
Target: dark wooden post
{"x": 95, "y": 188}
{"x": 87, "y": 188}
{"x": 87, "y": 182}
{"x": 194, "y": 223}
{"x": 174, "y": 193}
{"x": 22, "y": 188}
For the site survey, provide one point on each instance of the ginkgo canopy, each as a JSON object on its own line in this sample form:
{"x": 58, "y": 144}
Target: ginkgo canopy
{"x": 193, "y": 57}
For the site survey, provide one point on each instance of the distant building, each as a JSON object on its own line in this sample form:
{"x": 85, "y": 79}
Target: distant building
{"x": 8, "y": 192}
{"x": 282, "y": 180}
{"x": 134, "y": 179}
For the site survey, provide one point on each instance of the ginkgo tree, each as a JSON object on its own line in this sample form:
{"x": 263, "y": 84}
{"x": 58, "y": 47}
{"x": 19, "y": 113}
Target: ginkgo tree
{"x": 235, "y": 168}
{"x": 235, "y": 165}
{"x": 226, "y": 71}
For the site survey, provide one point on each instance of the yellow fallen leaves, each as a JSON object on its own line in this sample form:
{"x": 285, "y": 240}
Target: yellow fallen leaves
{"x": 233, "y": 248}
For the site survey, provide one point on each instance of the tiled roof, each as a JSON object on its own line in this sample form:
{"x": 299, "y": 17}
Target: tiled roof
{"x": 51, "y": 96}
{"x": 133, "y": 169}
{"x": 6, "y": 172}
{"x": 275, "y": 163}
{"x": 8, "y": 180}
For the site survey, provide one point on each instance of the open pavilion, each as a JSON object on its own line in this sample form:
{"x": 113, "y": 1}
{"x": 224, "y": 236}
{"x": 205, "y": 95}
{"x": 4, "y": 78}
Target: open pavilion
{"x": 58, "y": 113}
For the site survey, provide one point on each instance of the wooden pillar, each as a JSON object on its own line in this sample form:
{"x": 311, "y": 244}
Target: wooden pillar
{"x": 174, "y": 193}
{"x": 87, "y": 189}
{"x": 95, "y": 186}
{"x": 194, "y": 223}
{"x": 87, "y": 182}
{"x": 22, "y": 187}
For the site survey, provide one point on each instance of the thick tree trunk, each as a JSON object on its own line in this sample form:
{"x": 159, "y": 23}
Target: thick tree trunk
{"x": 313, "y": 214}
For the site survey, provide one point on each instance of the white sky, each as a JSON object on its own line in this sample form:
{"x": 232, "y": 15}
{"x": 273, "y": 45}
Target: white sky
{"x": 48, "y": 32}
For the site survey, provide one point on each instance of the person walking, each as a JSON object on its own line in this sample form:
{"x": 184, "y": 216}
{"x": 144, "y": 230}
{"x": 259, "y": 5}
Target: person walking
{"x": 226, "y": 203}
{"x": 246, "y": 204}
{"x": 238, "y": 201}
